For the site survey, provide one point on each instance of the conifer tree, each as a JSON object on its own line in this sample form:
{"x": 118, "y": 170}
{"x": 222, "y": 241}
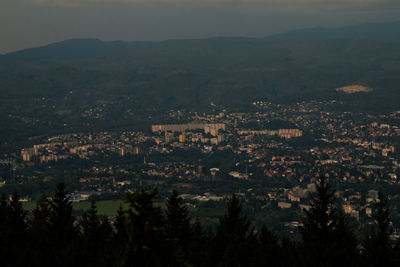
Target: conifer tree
{"x": 13, "y": 231}
{"x": 90, "y": 236}
{"x": 96, "y": 237}
{"x": 233, "y": 244}
{"x": 197, "y": 246}
{"x": 120, "y": 238}
{"x": 268, "y": 249}
{"x": 61, "y": 219}
{"x": 146, "y": 244}
{"x": 177, "y": 218}
{"x": 378, "y": 248}
{"x": 290, "y": 250}
{"x": 396, "y": 253}
{"x": 3, "y": 208}
{"x": 178, "y": 227}
{"x": 63, "y": 232}
{"x": 40, "y": 230}
{"x": 4, "y": 211}
{"x": 326, "y": 238}
{"x": 41, "y": 216}
{"x": 17, "y": 214}
{"x": 107, "y": 249}
{"x": 120, "y": 225}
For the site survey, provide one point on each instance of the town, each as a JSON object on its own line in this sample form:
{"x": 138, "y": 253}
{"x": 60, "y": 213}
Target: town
{"x": 270, "y": 155}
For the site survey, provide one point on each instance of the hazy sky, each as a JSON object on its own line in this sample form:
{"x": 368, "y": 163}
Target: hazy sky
{"x": 28, "y": 23}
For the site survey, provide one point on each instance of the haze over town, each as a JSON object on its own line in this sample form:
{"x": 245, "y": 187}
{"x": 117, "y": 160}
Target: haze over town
{"x": 29, "y": 23}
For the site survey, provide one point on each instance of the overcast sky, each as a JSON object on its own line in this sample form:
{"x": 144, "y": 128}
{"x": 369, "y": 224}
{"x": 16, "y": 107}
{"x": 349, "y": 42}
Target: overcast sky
{"x": 28, "y": 23}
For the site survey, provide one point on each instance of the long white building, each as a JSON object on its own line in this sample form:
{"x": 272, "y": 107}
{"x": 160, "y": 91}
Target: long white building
{"x": 207, "y": 127}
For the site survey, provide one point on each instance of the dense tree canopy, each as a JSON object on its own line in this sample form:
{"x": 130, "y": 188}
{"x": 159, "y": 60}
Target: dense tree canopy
{"x": 146, "y": 235}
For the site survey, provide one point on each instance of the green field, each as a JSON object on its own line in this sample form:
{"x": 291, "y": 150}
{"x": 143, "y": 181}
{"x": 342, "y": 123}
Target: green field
{"x": 104, "y": 207}
{"x": 208, "y": 215}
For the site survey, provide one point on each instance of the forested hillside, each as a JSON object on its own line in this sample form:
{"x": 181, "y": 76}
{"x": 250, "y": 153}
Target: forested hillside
{"x": 53, "y": 87}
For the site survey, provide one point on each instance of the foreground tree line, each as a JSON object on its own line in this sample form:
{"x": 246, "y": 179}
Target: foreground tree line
{"x": 146, "y": 235}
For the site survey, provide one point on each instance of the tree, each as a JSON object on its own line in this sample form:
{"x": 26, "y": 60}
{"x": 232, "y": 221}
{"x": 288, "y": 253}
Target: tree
{"x": 13, "y": 231}
{"x": 3, "y": 227}
{"x": 146, "y": 243}
{"x": 63, "y": 232}
{"x": 290, "y": 250}
{"x": 268, "y": 251}
{"x": 40, "y": 231}
{"x": 378, "y": 249}
{"x": 17, "y": 214}
{"x": 197, "y": 246}
{"x": 233, "y": 242}
{"x": 120, "y": 238}
{"x": 178, "y": 226}
{"x": 327, "y": 239}
{"x": 41, "y": 216}
{"x": 96, "y": 237}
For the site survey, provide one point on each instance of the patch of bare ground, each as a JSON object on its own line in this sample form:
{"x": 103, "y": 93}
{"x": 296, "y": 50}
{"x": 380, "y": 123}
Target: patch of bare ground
{"x": 351, "y": 89}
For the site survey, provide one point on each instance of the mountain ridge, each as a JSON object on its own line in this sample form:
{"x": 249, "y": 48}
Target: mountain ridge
{"x": 75, "y": 48}
{"x": 369, "y": 31}
{"x": 94, "y": 46}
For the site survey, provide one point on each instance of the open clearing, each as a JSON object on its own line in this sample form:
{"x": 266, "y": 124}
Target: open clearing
{"x": 351, "y": 89}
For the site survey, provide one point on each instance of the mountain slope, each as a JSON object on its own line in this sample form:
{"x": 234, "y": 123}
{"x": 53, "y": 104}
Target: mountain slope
{"x": 74, "y": 48}
{"x": 374, "y": 31}
{"x": 89, "y": 84}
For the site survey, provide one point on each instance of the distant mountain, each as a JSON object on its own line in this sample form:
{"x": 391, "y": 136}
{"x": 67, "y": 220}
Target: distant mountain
{"x": 79, "y": 48}
{"x": 389, "y": 31}
{"x": 74, "y": 48}
{"x": 89, "y": 84}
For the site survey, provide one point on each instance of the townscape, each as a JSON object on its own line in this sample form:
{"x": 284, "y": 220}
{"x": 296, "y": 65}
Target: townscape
{"x": 270, "y": 156}
{"x": 199, "y": 133}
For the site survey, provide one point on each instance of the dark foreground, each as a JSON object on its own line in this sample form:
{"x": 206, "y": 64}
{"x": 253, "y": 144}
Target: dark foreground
{"x": 146, "y": 235}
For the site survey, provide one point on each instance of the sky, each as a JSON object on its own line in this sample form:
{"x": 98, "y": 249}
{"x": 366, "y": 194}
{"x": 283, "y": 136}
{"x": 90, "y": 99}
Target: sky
{"x": 30, "y": 23}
